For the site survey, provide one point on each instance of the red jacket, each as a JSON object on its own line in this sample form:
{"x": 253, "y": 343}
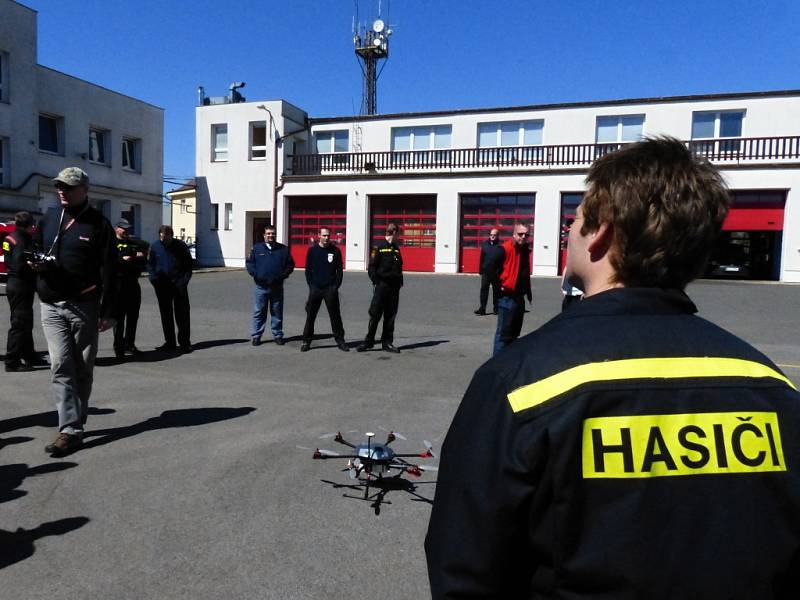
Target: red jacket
{"x": 511, "y": 266}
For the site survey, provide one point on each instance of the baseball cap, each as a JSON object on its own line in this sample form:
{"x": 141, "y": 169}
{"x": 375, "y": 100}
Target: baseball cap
{"x": 123, "y": 223}
{"x": 72, "y": 176}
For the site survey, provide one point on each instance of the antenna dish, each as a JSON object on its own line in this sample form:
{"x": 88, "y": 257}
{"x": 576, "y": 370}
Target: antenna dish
{"x": 377, "y": 42}
{"x": 378, "y": 26}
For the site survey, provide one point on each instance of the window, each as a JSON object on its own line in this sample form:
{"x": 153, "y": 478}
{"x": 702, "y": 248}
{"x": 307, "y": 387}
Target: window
{"x": 51, "y": 132}
{"x": 328, "y": 142}
{"x": 183, "y": 207}
{"x": 421, "y": 138}
{"x": 510, "y": 133}
{"x": 519, "y": 135}
{"x": 214, "y": 216}
{"x": 98, "y": 146}
{"x": 4, "y": 179}
{"x": 405, "y": 139}
{"x": 219, "y": 143}
{"x": 258, "y": 140}
{"x": 183, "y": 233}
{"x": 3, "y": 77}
{"x": 132, "y": 214}
{"x": 616, "y": 129}
{"x": 711, "y": 125}
{"x": 131, "y": 154}
{"x": 228, "y": 216}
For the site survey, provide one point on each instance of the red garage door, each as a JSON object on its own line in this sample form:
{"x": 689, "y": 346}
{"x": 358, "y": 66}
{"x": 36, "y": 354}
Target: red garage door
{"x": 482, "y": 212}
{"x": 416, "y": 218}
{"x": 307, "y": 214}
{"x": 749, "y": 246}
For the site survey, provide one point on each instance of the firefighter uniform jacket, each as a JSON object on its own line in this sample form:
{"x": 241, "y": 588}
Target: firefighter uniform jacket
{"x": 386, "y": 264}
{"x": 626, "y": 449}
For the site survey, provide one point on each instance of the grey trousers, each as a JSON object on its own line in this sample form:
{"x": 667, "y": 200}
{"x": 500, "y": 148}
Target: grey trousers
{"x": 70, "y": 328}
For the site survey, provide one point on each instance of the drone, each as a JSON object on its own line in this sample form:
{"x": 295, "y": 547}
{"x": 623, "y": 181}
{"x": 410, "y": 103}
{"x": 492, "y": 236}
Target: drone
{"x": 373, "y": 463}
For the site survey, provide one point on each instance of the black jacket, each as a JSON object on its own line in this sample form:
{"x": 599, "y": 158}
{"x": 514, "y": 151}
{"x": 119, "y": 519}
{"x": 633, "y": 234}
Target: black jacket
{"x": 492, "y": 255}
{"x": 169, "y": 263}
{"x": 86, "y": 257}
{"x": 14, "y": 247}
{"x": 131, "y": 269}
{"x": 626, "y": 449}
{"x": 324, "y": 266}
{"x": 386, "y": 264}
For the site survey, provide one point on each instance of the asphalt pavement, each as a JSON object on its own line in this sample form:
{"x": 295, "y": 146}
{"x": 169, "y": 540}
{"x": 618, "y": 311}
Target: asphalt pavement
{"x": 197, "y": 480}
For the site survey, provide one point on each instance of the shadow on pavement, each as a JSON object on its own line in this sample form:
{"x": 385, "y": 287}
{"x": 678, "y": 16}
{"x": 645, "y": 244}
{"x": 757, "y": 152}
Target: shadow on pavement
{"x": 150, "y": 356}
{"x": 20, "y": 439}
{"x": 378, "y": 489}
{"x": 423, "y": 344}
{"x": 19, "y": 545}
{"x": 186, "y": 417}
{"x": 12, "y": 476}
{"x": 43, "y": 419}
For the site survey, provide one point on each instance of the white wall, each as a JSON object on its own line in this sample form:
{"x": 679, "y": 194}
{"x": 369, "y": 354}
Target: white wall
{"x": 35, "y": 89}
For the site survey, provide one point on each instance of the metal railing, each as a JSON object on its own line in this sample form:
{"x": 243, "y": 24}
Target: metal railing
{"x": 724, "y": 151}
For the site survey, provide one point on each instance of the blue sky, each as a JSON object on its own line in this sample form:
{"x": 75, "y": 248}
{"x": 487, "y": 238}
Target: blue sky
{"x": 445, "y": 54}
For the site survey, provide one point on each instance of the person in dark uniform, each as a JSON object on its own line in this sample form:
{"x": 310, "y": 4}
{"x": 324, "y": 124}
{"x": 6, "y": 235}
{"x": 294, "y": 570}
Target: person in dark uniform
{"x": 132, "y": 257}
{"x": 20, "y": 288}
{"x": 386, "y": 273}
{"x": 324, "y": 273}
{"x": 491, "y": 263}
{"x": 169, "y": 267}
{"x": 627, "y": 448}
{"x": 515, "y": 286}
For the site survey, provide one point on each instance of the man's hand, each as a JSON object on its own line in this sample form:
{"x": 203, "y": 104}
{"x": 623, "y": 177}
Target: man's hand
{"x": 105, "y": 324}
{"x": 529, "y": 296}
{"x": 127, "y": 257}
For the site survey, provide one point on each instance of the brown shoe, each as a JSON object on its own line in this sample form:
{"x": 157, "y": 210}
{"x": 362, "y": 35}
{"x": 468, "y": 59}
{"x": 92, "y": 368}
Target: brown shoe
{"x": 65, "y": 443}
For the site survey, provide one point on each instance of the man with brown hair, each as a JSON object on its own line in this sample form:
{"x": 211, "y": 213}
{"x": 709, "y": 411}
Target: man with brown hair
{"x": 627, "y": 448}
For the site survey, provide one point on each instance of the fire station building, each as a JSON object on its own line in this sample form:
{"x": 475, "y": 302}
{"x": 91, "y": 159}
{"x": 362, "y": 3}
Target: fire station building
{"x": 446, "y": 178}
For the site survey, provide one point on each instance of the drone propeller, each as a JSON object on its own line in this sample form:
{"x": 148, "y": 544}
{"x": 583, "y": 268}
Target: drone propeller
{"x": 428, "y": 467}
{"x": 429, "y": 447}
{"x": 322, "y": 453}
{"x": 333, "y": 434}
{"x": 391, "y": 433}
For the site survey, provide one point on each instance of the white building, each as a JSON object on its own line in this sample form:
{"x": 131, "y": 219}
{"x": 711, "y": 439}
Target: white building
{"x": 447, "y": 177}
{"x": 50, "y": 120}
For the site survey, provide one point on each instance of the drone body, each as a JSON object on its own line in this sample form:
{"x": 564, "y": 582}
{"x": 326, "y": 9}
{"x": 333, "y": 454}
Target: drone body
{"x": 372, "y": 461}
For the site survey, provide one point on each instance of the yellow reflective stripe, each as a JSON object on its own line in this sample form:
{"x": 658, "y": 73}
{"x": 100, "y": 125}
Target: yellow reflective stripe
{"x": 541, "y": 391}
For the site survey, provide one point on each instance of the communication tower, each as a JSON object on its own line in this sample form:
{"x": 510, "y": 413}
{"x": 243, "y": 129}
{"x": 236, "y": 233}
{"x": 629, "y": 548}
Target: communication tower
{"x": 372, "y": 45}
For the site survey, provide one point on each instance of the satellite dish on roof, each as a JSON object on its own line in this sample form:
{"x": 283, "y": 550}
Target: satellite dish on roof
{"x": 378, "y": 26}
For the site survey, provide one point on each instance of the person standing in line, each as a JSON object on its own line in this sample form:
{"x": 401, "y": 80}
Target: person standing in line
{"x": 132, "y": 257}
{"x": 20, "y": 289}
{"x": 169, "y": 267}
{"x": 324, "y": 273}
{"x": 515, "y": 286}
{"x": 386, "y": 273}
{"x": 269, "y": 264}
{"x": 77, "y": 288}
{"x": 491, "y": 262}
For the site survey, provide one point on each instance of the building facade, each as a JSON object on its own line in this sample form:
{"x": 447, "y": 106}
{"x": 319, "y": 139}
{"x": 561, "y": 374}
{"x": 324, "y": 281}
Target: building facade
{"x": 183, "y": 212}
{"x": 50, "y": 120}
{"x": 447, "y": 177}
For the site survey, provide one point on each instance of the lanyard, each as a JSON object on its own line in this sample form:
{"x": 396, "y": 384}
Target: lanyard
{"x": 63, "y": 228}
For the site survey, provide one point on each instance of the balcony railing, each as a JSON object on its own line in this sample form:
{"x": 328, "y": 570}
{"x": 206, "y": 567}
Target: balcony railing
{"x": 722, "y": 151}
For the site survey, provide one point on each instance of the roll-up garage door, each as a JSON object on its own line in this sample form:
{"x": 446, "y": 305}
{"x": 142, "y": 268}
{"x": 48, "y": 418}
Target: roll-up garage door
{"x": 307, "y": 214}
{"x": 416, "y": 218}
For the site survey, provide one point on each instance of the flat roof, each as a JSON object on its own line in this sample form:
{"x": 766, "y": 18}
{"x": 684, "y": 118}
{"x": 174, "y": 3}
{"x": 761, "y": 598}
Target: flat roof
{"x": 470, "y": 111}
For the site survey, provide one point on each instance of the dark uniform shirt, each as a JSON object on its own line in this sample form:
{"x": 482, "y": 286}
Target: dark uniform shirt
{"x": 131, "y": 269}
{"x": 324, "y": 266}
{"x": 386, "y": 264}
{"x": 14, "y": 247}
{"x": 85, "y": 257}
{"x": 626, "y": 449}
{"x": 491, "y": 259}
